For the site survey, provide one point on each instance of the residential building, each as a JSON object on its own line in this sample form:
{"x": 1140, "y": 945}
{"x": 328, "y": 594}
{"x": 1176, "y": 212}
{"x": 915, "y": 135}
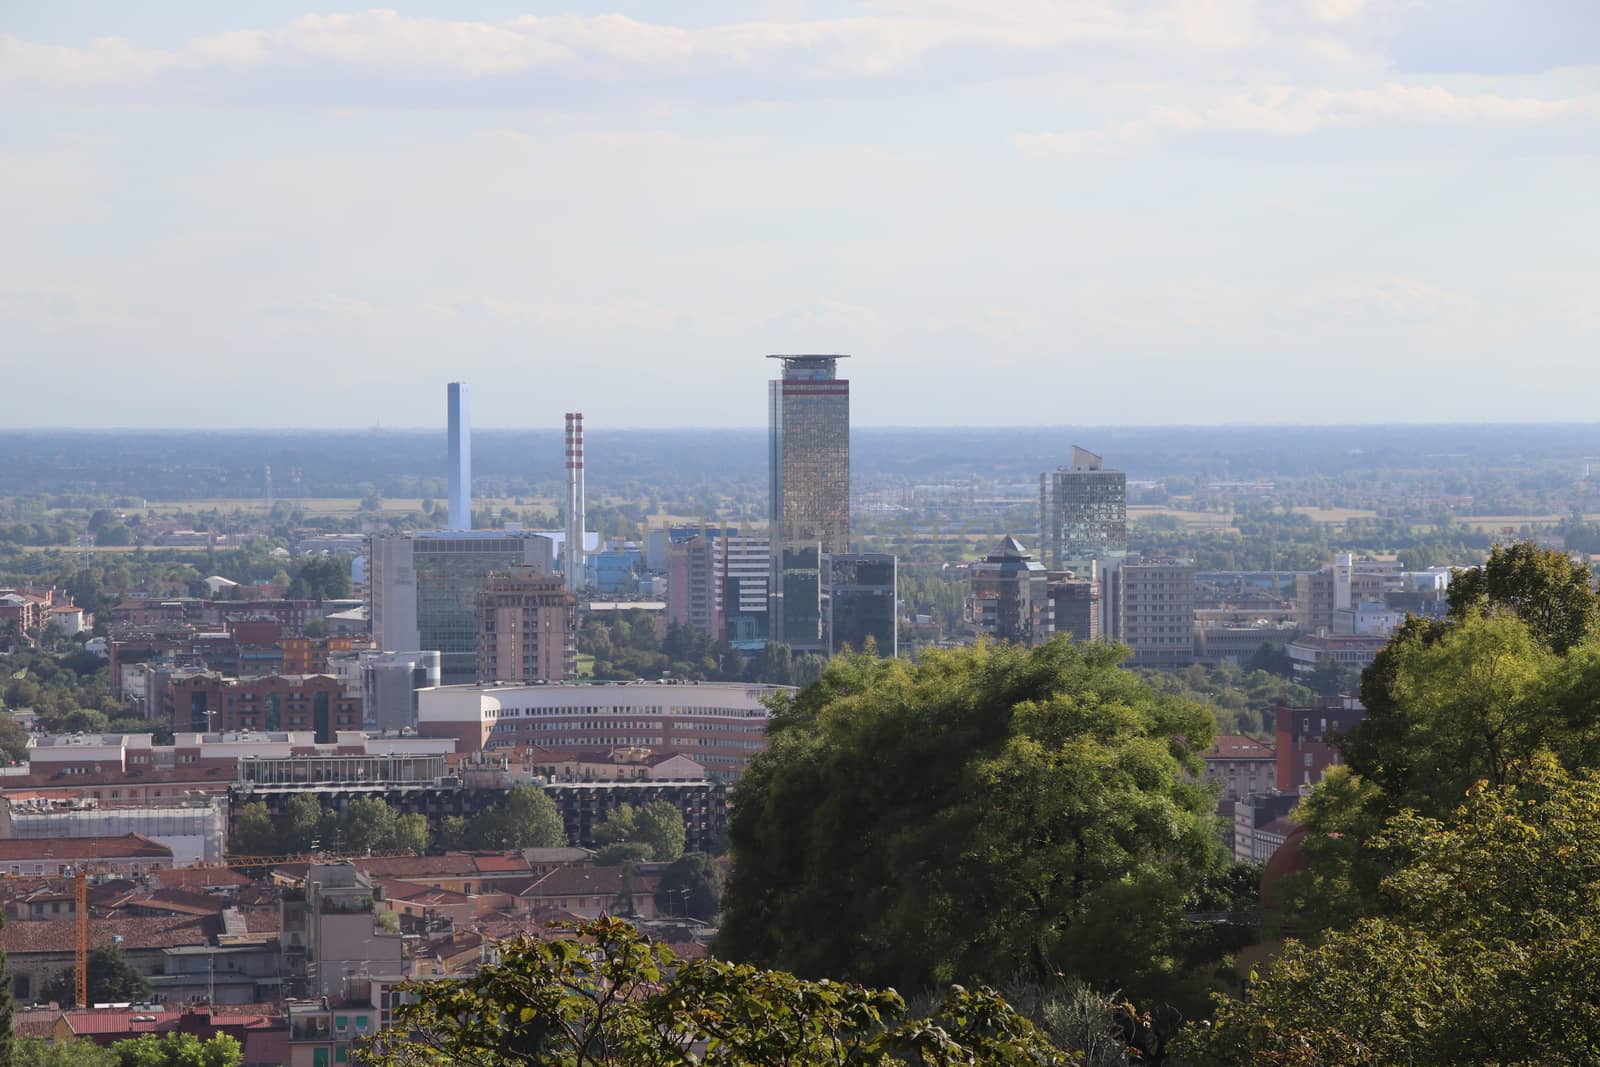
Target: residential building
{"x": 746, "y": 570}
{"x": 809, "y": 470}
{"x": 124, "y": 855}
{"x": 860, "y": 594}
{"x": 721, "y": 725}
{"x": 527, "y": 628}
{"x": 694, "y": 585}
{"x": 1010, "y": 596}
{"x": 423, "y": 588}
{"x": 1308, "y": 740}
{"x": 1083, "y": 513}
{"x": 192, "y": 828}
{"x": 585, "y": 805}
{"x": 1152, "y": 610}
{"x": 330, "y": 934}
{"x": 1242, "y": 765}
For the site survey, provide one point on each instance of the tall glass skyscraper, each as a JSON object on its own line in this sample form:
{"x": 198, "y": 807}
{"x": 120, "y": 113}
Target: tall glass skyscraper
{"x": 1083, "y": 514}
{"x": 809, "y": 458}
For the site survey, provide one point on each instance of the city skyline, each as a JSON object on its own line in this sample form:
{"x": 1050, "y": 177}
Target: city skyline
{"x": 1219, "y": 214}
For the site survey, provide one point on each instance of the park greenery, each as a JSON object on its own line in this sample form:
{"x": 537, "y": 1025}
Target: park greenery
{"x": 524, "y": 818}
{"x": 626, "y": 646}
{"x": 655, "y": 830}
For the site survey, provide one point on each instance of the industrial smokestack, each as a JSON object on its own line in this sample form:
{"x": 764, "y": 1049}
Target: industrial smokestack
{"x": 572, "y": 561}
{"x": 460, "y": 431}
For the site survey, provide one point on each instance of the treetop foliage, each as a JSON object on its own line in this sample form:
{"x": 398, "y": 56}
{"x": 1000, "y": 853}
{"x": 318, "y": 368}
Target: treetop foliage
{"x": 606, "y": 996}
{"x": 983, "y": 812}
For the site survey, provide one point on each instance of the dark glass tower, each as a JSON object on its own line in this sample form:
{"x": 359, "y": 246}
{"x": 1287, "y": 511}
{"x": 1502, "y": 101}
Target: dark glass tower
{"x": 460, "y": 473}
{"x": 809, "y": 457}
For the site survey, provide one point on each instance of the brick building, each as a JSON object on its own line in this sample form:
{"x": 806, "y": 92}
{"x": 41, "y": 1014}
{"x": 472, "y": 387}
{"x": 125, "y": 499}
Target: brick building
{"x": 205, "y": 702}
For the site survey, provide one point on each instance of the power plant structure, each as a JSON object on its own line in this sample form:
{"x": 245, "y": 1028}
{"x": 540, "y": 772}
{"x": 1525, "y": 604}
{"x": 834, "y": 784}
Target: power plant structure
{"x": 460, "y": 437}
{"x": 572, "y": 556}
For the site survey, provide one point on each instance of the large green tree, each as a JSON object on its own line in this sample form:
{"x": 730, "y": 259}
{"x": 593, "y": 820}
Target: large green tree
{"x": 983, "y": 813}
{"x": 112, "y": 980}
{"x": 1485, "y": 954}
{"x": 73, "y": 1052}
{"x": 692, "y": 887}
{"x": 525, "y": 818}
{"x": 658, "y": 826}
{"x": 179, "y": 1050}
{"x": 615, "y": 999}
{"x": 1548, "y": 589}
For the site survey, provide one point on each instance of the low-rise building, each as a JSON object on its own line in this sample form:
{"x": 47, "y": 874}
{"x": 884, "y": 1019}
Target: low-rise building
{"x": 1242, "y": 765}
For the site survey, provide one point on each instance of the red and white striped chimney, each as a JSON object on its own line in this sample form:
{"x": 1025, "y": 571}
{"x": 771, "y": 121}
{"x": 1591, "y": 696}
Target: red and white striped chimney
{"x": 572, "y": 559}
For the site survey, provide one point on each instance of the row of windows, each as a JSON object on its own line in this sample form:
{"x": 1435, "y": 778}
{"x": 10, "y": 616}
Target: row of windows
{"x": 619, "y": 709}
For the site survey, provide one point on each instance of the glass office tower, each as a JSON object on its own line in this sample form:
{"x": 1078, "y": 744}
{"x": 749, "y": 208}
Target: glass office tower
{"x": 809, "y": 457}
{"x": 459, "y": 434}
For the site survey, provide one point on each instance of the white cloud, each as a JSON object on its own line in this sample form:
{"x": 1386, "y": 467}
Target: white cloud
{"x": 1286, "y": 111}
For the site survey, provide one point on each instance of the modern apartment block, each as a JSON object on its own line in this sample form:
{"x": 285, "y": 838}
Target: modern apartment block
{"x": 860, "y": 592}
{"x": 1152, "y": 609}
{"x": 1083, "y": 513}
{"x": 745, "y": 565}
{"x": 809, "y": 463}
{"x": 527, "y": 628}
{"x": 1010, "y": 599}
{"x": 423, "y": 588}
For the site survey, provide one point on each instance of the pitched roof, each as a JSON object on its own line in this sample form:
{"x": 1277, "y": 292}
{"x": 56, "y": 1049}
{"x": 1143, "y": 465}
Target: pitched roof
{"x": 589, "y": 881}
{"x": 136, "y": 931}
{"x": 57, "y": 850}
{"x": 1238, "y": 746}
{"x": 195, "y": 878}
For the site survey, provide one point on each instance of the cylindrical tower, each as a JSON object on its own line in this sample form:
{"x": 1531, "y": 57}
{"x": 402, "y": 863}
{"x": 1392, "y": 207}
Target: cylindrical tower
{"x": 572, "y": 558}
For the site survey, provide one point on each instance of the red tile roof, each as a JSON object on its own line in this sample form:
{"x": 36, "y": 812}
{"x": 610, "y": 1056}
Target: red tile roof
{"x": 136, "y": 931}
{"x": 61, "y": 850}
{"x": 194, "y": 878}
{"x": 1238, "y": 746}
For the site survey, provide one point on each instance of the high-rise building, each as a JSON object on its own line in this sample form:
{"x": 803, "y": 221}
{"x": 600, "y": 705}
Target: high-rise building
{"x": 809, "y": 456}
{"x": 694, "y": 585}
{"x": 527, "y": 628}
{"x": 1010, "y": 598}
{"x": 1083, "y": 513}
{"x": 1076, "y": 602}
{"x": 423, "y": 587}
{"x": 1152, "y": 610}
{"x": 460, "y": 447}
{"x": 746, "y": 566}
{"x": 859, "y": 601}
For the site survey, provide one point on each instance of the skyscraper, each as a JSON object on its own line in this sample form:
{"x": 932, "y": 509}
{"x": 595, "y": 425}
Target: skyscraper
{"x": 460, "y": 434}
{"x": 859, "y": 600}
{"x": 572, "y": 548}
{"x": 809, "y": 457}
{"x": 1083, "y": 513}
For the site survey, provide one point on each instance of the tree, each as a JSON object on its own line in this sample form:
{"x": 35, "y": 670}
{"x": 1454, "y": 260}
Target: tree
{"x": 71, "y": 1052}
{"x": 1330, "y": 678}
{"x": 254, "y": 832}
{"x": 1485, "y": 953}
{"x": 13, "y": 739}
{"x": 526, "y": 818}
{"x": 179, "y": 1050}
{"x": 657, "y": 825}
{"x": 303, "y": 823}
{"x": 692, "y": 887}
{"x": 112, "y": 980}
{"x": 983, "y": 813}
{"x": 623, "y": 852}
{"x": 1550, "y": 591}
{"x": 614, "y": 998}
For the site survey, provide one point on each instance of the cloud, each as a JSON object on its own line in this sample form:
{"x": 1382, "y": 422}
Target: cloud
{"x": 891, "y": 40}
{"x": 1285, "y": 111}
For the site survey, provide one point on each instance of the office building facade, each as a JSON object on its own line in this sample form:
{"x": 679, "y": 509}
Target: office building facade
{"x": 527, "y": 628}
{"x": 423, "y": 589}
{"x": 1010, "y": 596}
{"x": 1083, "y": 513}
{"x": 809, "y": 468}
{"x": 1075, "y": 602}
{"x": 859, "y": 603}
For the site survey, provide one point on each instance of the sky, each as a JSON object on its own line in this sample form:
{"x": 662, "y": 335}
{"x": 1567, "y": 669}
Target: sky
{"x": 270, "y": 214}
